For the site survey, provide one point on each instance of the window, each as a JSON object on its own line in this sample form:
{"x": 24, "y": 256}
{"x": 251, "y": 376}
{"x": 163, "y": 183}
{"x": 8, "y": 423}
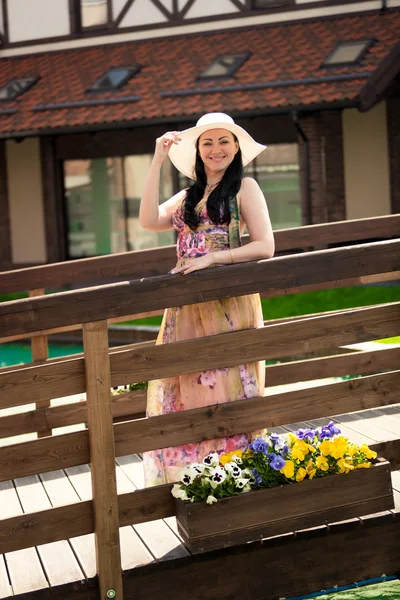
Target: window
{"x": 224, "y": 66}
{"x": 348, "y": 53}
{"x": 93, "y": 13}
{"x": 102, "y": 198}
{"x": 278, "y": 174}
{"x": 114, "y": 79}
{"x": 16, "y": 87}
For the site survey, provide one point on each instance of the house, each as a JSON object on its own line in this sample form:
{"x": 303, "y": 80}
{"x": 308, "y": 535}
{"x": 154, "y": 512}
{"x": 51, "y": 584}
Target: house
{"x": 86, "y": 86}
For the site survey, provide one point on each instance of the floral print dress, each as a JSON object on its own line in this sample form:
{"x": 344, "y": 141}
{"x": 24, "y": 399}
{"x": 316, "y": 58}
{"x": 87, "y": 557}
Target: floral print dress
{"x": 216, "y": 386}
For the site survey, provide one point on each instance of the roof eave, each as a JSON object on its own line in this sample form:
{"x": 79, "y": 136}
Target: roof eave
{"x": 377, "y": 85}
{"x": 135, "y": 123}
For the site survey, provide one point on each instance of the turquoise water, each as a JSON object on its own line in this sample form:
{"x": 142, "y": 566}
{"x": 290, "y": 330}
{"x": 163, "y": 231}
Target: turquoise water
{"x": 17, "y": 354}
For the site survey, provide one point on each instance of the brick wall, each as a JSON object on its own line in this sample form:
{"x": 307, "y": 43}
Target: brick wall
{"x": 326, "y": 168}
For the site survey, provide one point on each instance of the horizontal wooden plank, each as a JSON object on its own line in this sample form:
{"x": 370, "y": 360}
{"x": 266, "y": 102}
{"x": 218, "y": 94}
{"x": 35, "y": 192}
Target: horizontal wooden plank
{"x": 146, "y": 263}
{"x": 353, "y": 281}
{"x": 256, "y": 413}
{"x": 351, "y": 363}
{"x": 51, "y": 525}
{"x": 131, "y": 437}
{"x": 113, "y": 300}
{"x": 270, "y": 342}
{"x": 389, "y": 450}
{"x": 143, "y": 362}
{"x": 132, "y": 404}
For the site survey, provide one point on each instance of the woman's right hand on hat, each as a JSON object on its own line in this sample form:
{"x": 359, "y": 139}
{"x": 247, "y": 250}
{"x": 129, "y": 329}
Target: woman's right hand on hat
{"x": 164, "y": 143}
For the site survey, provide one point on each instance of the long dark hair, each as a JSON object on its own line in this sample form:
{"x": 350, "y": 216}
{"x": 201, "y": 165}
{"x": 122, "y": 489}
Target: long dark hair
{"x": 218, "y": 200}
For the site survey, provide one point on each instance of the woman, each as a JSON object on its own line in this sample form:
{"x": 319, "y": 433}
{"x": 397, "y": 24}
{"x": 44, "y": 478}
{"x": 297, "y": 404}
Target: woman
{"x": 209, "y": 217}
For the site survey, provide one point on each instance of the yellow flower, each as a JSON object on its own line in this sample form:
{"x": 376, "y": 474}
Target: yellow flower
{"x": 226, "y": 458}
{"x": 292, "y": 438}
{"x": 351, "y": 449}
{"x": 365, "y": 465}
{"x": 339, "y": 447}
{"x": 322, "y": 463}
{"x": 300, "y": 450}
{"x": 311, "y": 474}
{"x": 325, "y": 447}
{"x": 367, "y": 451}
{"x": 310, "y": 467}
{"x": 344, "y": 465}
{"x": 301, "y": 473}
{"x": 288, "y": 469}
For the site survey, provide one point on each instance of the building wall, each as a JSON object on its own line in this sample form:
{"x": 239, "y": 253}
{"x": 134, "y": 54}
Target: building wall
{"x": 323, "y": 131}
{"x": 44, "y": 20}
{"x": 25, "y": 198}
{"x": 33, "y": 19}
{"x": 393, "y": 131}
{"x": 366, "y": 162}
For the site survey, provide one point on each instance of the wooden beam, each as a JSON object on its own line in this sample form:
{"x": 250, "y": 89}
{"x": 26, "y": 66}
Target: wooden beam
{"x": 102, "y": 458}
{"x": 252, "y": 414}
{"x": 148, "y": 263}
{"x": 132, "y": 405}
{"x": 123, "y": 12}
{"x": 352, "y": 363}
{"x": 62, "y": 378}
{"x": 113, "y": 300}
{"x": 40, "y": 353}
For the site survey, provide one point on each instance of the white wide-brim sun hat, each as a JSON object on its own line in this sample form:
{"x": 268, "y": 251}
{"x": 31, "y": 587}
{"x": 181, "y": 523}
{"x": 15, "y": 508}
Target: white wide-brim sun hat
{"x": 183, "y": 154}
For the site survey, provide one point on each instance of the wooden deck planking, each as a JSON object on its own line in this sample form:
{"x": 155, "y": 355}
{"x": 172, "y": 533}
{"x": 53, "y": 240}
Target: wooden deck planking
{"x": 161, "y": 538}
{"x": 24, "y": 567}
{"x": 5, "y": 587}
{"x": 58, "y": 560}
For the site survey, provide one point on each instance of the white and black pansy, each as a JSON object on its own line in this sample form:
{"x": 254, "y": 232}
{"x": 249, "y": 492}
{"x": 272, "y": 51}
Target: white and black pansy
{"x": 233, "y": 469}
{"x": 178, "y": 492}
{"x": 241, "y": 482}
{"x": 211, "y": 460}
{"x": 237, "y": 459}
{"x": 217, "y": 477}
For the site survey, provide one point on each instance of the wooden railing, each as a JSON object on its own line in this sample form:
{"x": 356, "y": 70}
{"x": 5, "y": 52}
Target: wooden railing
{"x": 100, "y": 368}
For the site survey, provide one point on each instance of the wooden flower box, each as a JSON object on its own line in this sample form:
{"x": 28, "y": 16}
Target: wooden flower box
{"x": 265, "y": 513}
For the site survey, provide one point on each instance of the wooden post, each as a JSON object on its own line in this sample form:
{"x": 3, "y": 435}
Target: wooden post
{"x": 102, "y": 459}
{"x": 40, "y": 353}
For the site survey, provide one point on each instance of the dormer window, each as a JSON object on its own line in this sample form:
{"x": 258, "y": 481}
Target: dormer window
{"x": 225, "y": 65}
{"x": 114, "y": 79}
{"x": 348, "y": 53}
{"x": 16, "y": 87}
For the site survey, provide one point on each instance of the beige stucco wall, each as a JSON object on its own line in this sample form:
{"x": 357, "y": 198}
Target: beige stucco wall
{"x": 366, "y": 162}
{"x": 33, "y": 19}
{"x": 25, "y": 194}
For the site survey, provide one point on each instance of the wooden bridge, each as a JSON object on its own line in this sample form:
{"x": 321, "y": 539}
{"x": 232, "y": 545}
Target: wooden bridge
{"x": 66, "y": 529}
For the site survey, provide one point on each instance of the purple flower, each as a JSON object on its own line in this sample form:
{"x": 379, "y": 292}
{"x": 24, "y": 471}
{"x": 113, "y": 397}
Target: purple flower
{"x": 301, "y": 433}
{"x": 310, "y": 434}
{"x": 285, "y": 450}
{"x": 334, "y": 428}
{"x": 256, "y": 476}
{"x": 259, "y": 445}
{"x": 326, "y": 433}
{"x": 278, "y": 463}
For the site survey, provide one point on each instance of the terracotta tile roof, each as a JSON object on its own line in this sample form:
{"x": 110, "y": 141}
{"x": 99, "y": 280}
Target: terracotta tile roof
{"x": 280, "y": 54}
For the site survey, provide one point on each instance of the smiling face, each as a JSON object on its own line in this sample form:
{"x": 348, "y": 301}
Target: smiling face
{"x": 217, "y": 149}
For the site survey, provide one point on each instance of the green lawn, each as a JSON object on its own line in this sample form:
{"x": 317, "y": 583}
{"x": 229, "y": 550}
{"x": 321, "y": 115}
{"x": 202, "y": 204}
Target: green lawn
{"x": 388, "y": 590}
